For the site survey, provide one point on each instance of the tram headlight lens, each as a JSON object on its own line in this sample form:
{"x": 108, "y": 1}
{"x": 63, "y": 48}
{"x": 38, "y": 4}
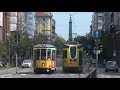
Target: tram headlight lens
{"x": 43, "y": 64}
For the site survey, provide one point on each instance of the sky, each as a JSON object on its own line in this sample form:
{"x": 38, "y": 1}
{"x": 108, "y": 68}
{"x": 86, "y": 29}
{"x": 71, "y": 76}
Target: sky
{"x": 81, "y": 22}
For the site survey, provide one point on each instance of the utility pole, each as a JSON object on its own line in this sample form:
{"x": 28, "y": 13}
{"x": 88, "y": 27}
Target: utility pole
{"x": 16, "y": 44}
{"x": 96, "y": 43}
{"x": 96, "y": 53}
{"x": 114, "y": 51}
{"x": 16, "y": 50}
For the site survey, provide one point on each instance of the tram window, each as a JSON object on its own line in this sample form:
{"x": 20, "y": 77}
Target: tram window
{"x": 49, "y": 53}
{"x": 37, "y": 54}
{"x": 43, "y": 54}
{"x": 64, "y": 53}
{"x": 73, "y": 52}
{"x": 53, "y": 55}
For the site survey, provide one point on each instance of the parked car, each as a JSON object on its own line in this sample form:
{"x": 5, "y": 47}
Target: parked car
{"x": 111, "y": 66}
{"x": 26, "y": 64}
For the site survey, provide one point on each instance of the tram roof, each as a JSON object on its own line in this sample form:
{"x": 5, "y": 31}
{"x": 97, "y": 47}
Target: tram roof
{"x": 44, "y": 46}
{"x": 73, "y": 44}
{"x": 68, "y": 45}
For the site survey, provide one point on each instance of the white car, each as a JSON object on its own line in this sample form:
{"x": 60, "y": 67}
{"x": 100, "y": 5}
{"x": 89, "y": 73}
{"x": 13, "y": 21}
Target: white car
{"x": 26, "y": 63}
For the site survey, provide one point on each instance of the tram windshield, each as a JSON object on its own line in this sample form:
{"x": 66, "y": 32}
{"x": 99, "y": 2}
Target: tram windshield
{"x": 37, "y": 54}
{"x": 49, "y": 54}
{"x": 73, "y": 52}
{"x": 43, "y": 54}
{"x": 53, "y": 54}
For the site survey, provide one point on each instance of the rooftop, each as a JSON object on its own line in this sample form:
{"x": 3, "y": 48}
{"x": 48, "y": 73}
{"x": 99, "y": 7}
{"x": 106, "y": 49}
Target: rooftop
{"x": 43, "y": 14}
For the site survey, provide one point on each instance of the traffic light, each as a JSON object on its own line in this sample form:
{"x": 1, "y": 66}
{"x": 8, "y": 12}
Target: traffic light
{"x": 117, "y": 36}
{"x": 16, "y": 44}
{"x": 112, "y": 28}
{"x": 101, "y": 47}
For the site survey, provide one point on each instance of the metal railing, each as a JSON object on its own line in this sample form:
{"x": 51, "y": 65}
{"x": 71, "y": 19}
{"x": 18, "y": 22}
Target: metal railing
{"x": 92, "y": 74}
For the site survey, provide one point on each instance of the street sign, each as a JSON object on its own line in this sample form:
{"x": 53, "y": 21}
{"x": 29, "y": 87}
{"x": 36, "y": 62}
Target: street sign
{"x": 97, "y": 33}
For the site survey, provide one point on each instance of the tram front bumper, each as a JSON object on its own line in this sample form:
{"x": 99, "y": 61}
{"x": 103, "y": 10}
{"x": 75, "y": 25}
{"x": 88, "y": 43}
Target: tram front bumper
{"x": 43, "y": 69}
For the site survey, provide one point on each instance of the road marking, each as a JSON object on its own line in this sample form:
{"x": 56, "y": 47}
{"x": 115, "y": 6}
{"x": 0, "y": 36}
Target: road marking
{"x": 23, "y": 74}
{"x": 71, "y": 74}
{"x": 6, "y": 76}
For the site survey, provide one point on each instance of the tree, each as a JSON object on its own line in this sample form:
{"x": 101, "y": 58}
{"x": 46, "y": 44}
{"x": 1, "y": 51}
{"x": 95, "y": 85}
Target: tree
{"x": 3, "y": 50}
{"x": 106, "y": 41}
{"x": 59, "y": 43}
{"x": 84, "y": 41}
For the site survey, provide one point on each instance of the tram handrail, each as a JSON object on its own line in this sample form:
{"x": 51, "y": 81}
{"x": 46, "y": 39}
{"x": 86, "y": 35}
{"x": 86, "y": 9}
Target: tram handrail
{"x": 92, "y": 74}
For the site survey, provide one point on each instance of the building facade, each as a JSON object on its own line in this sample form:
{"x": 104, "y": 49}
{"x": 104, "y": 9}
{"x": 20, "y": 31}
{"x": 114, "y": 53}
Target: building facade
{"x": 30, "y": 24}
{"x": 45, "y": 24}
{"x": 97, "y": 21}
{"x": 5, "y": 26}
{"x": 1, "y": 29}
{"x": 22, "y": 21}
{"x": 106, "y": 21}
{"x": 53, "y": 30}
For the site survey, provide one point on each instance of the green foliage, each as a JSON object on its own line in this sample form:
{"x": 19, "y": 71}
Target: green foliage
{"x": 106, "y": 40}
{"x": 59, "y": 43}
{"x": 84, "y": 41}
{"x": 3, "y": 50}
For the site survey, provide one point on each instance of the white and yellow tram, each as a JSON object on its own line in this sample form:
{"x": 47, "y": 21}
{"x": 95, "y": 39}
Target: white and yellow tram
{"x": 44, "y": 58}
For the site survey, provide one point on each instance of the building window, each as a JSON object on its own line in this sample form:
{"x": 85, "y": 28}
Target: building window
{"x": 100, "y": 18}
{"x": 43, "y": 19}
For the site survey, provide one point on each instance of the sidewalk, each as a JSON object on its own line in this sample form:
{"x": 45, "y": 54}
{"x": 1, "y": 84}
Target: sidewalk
{"x": 7, "y": 70}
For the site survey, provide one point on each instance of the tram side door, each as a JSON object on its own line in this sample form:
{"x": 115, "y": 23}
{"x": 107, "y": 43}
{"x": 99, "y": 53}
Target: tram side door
{"x": 53, "y": 58}
{"x": 36, "y": 56}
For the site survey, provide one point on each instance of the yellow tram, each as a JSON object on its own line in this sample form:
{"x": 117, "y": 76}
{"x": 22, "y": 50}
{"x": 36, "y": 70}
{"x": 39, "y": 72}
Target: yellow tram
{"x": 44, "y": 58}
{"x": 72, "y": 57}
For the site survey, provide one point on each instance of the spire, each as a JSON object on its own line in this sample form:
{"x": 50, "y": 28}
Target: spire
{"x": 70, "y": 29}
{"x": 70, "y": 19}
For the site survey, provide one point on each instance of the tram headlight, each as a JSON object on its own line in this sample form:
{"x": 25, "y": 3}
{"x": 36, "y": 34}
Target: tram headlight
{"x": 43, "y": 64}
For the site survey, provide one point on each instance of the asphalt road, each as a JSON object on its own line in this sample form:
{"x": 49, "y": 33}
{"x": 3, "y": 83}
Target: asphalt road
{"x": 109, "y": 74}
{"x": 28, "y": 73}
